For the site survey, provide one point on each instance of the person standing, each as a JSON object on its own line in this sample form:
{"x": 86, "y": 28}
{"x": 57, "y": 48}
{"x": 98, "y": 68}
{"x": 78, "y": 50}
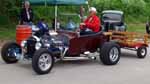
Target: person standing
{"x": 26, "y": 16}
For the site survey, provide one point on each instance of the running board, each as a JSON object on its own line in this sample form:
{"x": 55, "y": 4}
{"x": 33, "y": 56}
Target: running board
{"x": 75, "y": 58}
{"x": 133, "y": 49}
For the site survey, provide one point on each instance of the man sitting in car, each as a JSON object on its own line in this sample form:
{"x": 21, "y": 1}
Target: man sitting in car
{"x": 91, "y": 24}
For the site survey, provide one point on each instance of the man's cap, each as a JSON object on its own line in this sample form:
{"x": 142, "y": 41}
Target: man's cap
{"x": 92, "y": 9}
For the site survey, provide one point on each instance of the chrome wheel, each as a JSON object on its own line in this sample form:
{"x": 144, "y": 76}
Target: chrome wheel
{"x": 11, "y": 52}
{"x": 45, "y": 62}
{"x": 143, "y": 52}
{"x": 42, "y": 61}
{"x": 114, "y": 54}
{"x": 110, "y": 53}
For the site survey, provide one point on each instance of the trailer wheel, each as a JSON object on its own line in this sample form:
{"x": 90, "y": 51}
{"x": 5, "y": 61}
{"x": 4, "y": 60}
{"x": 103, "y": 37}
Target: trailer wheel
{"x": 9, "y": 52}
{"x": 110, "y": 53}
{"x": 142, "y": 52}
{"x": 42, "y": 61}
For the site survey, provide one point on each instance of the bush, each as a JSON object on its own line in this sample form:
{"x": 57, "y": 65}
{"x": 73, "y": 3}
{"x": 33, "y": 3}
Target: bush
{"x": 4, "y": 20}
{"x": 10, "y": 8}
{"x": 133, "y": 8}
{"x": 128, "y": 6}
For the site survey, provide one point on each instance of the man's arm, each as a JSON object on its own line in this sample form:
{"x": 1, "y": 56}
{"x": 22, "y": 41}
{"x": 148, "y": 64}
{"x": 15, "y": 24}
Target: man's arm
{"x": 94, "y": 24}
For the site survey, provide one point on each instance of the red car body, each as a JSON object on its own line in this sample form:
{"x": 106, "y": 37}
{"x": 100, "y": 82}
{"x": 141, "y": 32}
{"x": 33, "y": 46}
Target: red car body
{"x": 80, "y": 44}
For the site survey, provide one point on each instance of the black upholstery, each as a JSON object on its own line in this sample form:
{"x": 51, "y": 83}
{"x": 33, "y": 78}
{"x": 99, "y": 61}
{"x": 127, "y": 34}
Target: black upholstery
{"x": 94, "y": 34}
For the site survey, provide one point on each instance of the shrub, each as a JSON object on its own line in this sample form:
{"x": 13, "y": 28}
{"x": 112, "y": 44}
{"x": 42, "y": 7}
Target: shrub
{"x": 131, "y": 7}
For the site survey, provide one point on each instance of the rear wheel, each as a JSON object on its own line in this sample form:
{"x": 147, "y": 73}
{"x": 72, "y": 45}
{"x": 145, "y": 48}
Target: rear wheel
{"x": 142, "y": 52}
{"x": 10, "y": 51}
{"x": 110, "y": 53}
{"x": 42, "y": 61}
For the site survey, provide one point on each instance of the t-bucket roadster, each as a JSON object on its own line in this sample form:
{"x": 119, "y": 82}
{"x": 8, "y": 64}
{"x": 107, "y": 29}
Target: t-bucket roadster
{"x": 60, "y": 44}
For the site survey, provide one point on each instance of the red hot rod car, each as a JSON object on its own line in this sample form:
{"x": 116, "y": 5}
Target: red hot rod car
{"x": 59, "y": 45}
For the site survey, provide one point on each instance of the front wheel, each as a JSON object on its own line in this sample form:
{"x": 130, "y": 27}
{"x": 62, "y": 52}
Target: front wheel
{"x": 10, "y": 51}
{"x": 110, "y": 53}
{"x": 42, "y": 61}
{"x": 142, "y": 52}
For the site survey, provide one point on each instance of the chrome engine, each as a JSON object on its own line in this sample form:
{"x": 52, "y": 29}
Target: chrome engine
{"x": 53, "y": 42}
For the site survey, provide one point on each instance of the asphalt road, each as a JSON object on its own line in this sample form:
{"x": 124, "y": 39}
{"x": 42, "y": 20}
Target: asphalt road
{"x": 130, "y": 70}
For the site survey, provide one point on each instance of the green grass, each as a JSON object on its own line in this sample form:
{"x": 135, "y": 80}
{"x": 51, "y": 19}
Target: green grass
{"x": 7, "y": 32}
{"x": 136, "y": 27}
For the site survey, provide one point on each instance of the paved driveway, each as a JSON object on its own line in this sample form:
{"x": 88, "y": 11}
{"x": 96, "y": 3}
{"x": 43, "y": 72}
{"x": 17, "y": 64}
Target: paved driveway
{"x": 130, "y": 70}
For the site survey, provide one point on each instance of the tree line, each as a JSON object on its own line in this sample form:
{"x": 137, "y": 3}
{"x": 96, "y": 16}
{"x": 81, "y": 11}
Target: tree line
{"x": 133, "y": 8}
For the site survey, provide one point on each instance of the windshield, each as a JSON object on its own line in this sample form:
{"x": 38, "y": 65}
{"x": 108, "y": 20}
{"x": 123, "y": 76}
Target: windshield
{"x": 69, "y": 22}
{"x": 112, "y": 16}
{"x": 70, "y": 19}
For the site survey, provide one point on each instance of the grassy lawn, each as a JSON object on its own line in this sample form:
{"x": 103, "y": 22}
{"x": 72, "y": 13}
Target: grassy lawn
{"x": 8, "y": 32}
{"x": 140, "y": 28}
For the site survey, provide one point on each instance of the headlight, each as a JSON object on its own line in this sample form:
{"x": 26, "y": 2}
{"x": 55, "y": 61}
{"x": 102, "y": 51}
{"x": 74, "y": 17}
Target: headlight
{"x": 38, "y": 45}
{"x": 47, "y": 45}
{"x": 23, "y": 43}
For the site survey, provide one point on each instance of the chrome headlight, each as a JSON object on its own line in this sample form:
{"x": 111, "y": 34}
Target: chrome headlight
{"x": 47, "y": 45}
{"x": 46, "y": 42}
{"x": 38, "y": 45}
{"x": 23, "y": 43}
